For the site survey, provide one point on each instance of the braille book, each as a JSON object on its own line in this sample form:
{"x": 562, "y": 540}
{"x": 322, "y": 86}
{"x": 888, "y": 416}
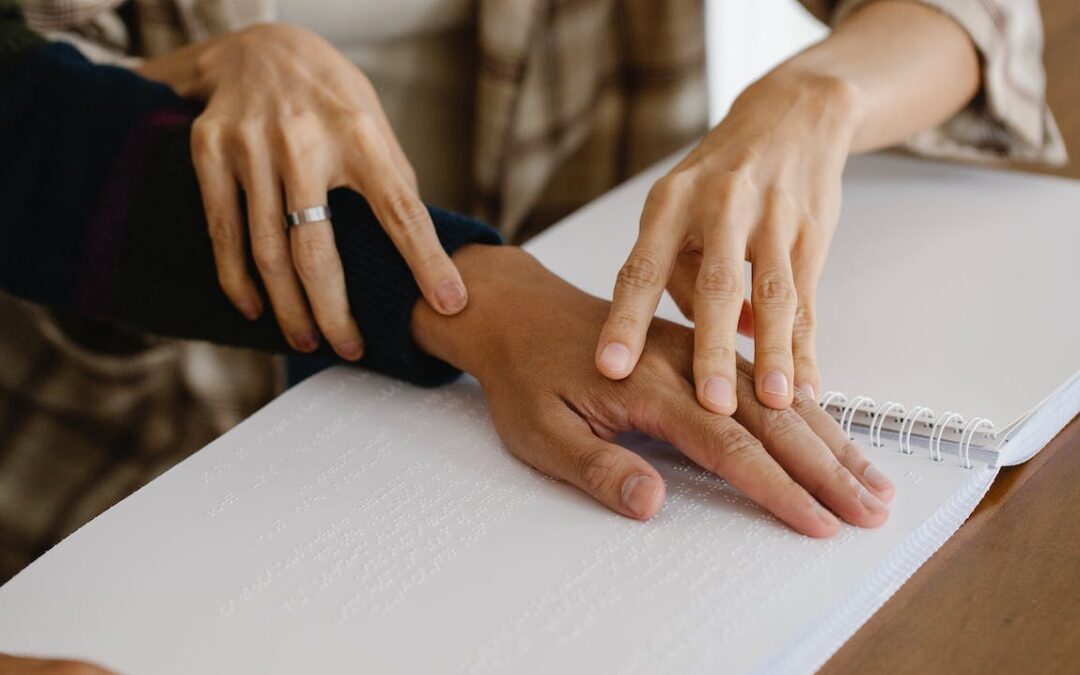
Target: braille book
{"x": 358, "y": 524}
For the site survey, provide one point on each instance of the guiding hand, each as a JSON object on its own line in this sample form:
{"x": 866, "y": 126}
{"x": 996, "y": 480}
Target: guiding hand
{"x": 288, "y": 118}
{"x": 529, "y": 344}
{"x": 763, "y": 186}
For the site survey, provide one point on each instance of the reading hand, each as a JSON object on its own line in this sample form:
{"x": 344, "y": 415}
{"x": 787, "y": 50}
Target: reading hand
{"x": 528, "y": 337}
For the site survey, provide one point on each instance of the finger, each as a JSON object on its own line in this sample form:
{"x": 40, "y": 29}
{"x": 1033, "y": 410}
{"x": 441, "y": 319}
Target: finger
{"x": 270, "y": 245}
{"x": 406, "y": 221}
{"x": 773, "y": 299}
{"x": 807, "y": 458}
{"x": 218, "y": 188}
{"x": 845, "y": 449}
{"x": 721, "y": 445}
{"x": 804, "y": 330}
{"x": 566, "y": 448}
{"x": 681, "y": 282}
{"x": 397, "y": 153}
{"x": 315, "y": 257}
{"x": 718, "y": 302}
{"x": 641, "y": 280}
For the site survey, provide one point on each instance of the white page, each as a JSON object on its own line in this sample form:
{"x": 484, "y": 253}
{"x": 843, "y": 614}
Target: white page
{"x": 946, "y": 286}
{"x": 361, "y": 525}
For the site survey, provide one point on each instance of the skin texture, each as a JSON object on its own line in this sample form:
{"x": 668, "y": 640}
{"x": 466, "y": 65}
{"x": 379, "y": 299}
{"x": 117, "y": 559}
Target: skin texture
{"x": 287, "y": 118}
{"x": 529, "y": 343}
{"x": 764, "y": 187}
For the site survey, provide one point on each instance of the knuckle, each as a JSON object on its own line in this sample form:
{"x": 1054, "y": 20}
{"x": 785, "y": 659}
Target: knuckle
{"x": 713, "y": 352}
{"x": 772, "y": 354}
{"x": 206, "y": 135}
{"x": 848, "y": 452}
{"x": 298, "y": 138}
{"x": 223, "y": 234}
{"x": 670, "y": 186}
{"x": 270, "y": 257}
{"x": 783, "y": 425}
{"x": 622, "y": 322}
{"x": 734, "y": 447}
{"x": 249, "y": 132}
{"x": 640, "y": 271}
{"x": 364, "y": 130}
{"x": 803, "y": 328}
{"x": 316, "y": 256}
{"x": 774, "y": 289}
{"x": 720, "y": 279}
{"x": 407, "y": 214}
{"x": 597, "y": 469}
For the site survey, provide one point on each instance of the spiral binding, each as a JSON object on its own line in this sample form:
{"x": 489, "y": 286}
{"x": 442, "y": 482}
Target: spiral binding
{"x": 878, "y": 414}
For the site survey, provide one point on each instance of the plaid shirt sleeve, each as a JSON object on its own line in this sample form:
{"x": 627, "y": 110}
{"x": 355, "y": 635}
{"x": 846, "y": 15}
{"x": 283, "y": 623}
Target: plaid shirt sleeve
{"x": 1009, "y": 119}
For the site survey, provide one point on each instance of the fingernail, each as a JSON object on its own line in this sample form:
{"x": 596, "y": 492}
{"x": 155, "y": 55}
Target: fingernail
{"x": 877, "y": 479}
{"x": 615, "y": 358}
{"x": 305, "y": 342}
{"x": 825, "y": 515}
{"x": 350, "y": 349}
{"x": 808, "y": 389}
{"x": 639, "y": 494}
{"x": 451, "y": 295}
{"x": 720, "y": 393}
{"x": 775, "y": 383}
{"x": 872, "y": 503}
{"x": 250, "y": 310}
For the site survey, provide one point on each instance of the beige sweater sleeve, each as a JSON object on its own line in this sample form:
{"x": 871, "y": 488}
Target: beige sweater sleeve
{"x": 1009, "y": 118}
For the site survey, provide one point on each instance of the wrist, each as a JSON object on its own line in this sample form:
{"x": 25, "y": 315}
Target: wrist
{"x": 475, "y": 339}
{"x": 833, "y": 105}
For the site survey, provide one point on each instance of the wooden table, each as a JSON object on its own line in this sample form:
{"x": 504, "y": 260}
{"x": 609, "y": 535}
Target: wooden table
{"x": 1003, "y": 595}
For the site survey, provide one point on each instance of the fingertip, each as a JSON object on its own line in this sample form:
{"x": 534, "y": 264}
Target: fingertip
{"x": 718, "y": 395}
{"x": 450, "y": 296}
{"x": 350, "y": 350}
{"x": 304, "y": 341}
{"x": 881, "y": 484}
{"x": 615, "y": 360}
{"x": 823, "y": 523}
{"x": 808, "y": 390}
{"x": 773, "y": 390}
{"x": 252, "y": 309}
{"x": 643, "y": 495}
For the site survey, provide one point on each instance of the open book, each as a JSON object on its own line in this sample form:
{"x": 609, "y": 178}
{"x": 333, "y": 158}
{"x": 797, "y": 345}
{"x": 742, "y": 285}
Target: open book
{"x": 358, "y": 524}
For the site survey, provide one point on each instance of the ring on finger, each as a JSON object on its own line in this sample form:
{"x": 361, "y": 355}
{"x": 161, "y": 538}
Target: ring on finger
{"x": 312, "y": 214}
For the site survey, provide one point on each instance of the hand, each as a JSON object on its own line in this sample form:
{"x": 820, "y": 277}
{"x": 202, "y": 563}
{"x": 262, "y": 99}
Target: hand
{"x": 288, "y": 117}
{"x": 527, "y": 336}
{"x": 763, "y": 186}
{"x": 17, "y": 665}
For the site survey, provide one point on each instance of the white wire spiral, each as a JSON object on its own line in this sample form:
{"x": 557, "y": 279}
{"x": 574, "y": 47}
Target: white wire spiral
{"x": 848, "y": 416}
{"x": 878, "y": 421}
{"x": 847, "y": 409}
{"x": 940, "y": 425}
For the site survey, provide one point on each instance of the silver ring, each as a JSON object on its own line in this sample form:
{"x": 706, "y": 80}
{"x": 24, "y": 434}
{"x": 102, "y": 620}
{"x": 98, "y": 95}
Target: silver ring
{"x": 312, "y": 214}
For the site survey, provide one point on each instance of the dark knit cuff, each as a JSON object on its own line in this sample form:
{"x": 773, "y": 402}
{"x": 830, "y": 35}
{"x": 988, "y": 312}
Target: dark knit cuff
{"x": 382, "y": 291}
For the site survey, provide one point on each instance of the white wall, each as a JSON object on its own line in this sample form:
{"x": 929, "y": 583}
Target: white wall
{"x": 748, "y": 37}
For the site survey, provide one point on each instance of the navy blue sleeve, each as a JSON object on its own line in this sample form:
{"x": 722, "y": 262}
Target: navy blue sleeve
{"x": 97, "y": 163}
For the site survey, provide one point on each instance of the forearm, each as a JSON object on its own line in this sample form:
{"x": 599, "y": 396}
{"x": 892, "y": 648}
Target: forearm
{"x": 892, "y": 69}
{"x": 105, "y": 218}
